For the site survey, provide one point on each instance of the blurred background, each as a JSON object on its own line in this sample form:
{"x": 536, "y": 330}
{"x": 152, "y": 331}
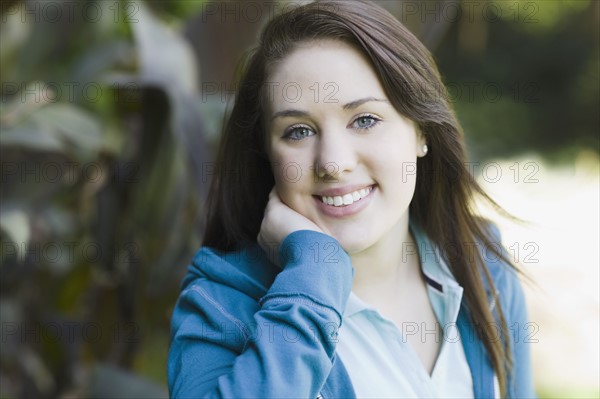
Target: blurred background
{"x": 110, "y": 116}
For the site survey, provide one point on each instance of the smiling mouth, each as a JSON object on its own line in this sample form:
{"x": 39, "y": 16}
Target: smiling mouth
{"x": 346, "y": 199}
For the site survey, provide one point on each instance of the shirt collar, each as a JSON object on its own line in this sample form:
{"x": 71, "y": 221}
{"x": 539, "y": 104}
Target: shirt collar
{"x": 444, "y": 291}
{"x": 354, "y": 305}
{"x": 433, "y": 265}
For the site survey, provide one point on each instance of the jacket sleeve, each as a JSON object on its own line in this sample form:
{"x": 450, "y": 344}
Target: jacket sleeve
{"x": 287, "y": 351}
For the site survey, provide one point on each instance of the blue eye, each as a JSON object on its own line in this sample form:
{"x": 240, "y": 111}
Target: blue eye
{"x": 297, "y": 132}
{"x": 365, "y": 122}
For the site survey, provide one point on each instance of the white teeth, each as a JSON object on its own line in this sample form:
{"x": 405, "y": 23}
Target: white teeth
{"x": 346, "y": 199}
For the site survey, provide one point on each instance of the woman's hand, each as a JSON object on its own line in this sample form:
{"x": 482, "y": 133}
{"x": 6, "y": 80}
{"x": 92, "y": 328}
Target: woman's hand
{"x": 279, "y": 221}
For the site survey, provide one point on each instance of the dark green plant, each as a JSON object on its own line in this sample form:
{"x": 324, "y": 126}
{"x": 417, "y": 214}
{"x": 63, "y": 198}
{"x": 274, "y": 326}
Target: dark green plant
{"x": 101, "y": 145}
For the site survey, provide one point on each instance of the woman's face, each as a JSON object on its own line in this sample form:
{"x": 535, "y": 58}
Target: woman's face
{"x": 333, "y": 132}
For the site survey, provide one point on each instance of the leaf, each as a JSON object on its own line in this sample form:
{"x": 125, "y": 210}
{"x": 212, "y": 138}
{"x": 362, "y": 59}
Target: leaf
{"x": 15, "y": 224}
{"x": 73, "y": 125}
{"x": 30, "y": 136}
{"x": 166, "y": 59}
{"x": 100, "y": 58}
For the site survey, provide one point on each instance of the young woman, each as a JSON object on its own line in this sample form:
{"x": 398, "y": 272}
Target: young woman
{"x": 342, "y": 257}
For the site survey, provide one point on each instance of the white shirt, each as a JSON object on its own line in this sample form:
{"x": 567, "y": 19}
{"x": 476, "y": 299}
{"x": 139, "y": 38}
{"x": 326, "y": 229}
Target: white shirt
{"x": 379, "y": 360}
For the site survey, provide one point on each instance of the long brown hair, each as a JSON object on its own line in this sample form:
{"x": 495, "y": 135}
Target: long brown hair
{"x": 444, "y": 189}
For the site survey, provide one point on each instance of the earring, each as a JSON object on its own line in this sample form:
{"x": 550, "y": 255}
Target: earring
{"x": 425, "y": 149}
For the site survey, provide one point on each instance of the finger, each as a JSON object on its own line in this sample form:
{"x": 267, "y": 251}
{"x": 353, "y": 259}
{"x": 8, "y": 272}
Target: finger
{"x": 259, "y": 239}
{"x": 271, "y": 193}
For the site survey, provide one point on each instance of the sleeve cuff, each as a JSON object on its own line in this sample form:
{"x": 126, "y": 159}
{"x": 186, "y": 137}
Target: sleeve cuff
{"x": 315, "y": 266}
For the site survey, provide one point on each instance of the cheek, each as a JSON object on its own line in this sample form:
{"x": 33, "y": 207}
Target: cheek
{"x": 290, "y": 174}
{"x": 286, "y": 172}
{"x": 290, "y": 166}
{"x": 394, "y": 159}
{"x": 290, "y": 181}
{"x": 396, "y": 170}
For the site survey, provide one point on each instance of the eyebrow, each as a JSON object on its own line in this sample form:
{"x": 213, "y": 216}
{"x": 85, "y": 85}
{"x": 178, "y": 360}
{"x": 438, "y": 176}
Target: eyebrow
{"x": 358, "y": 103}
{"x": 349, "y": 106}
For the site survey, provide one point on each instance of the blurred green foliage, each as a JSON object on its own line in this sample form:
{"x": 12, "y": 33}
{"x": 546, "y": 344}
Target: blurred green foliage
{"x": 524, "y": 78}
{"x": 107, "y": 133}
{"x": 101, "y": 145}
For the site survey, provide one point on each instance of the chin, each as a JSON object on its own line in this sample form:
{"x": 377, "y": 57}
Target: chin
{"x": 353, "y": 243}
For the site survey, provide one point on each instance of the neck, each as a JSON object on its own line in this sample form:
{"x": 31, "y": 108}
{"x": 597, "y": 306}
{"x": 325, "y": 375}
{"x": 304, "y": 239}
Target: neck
{"x": 388, "y": 265}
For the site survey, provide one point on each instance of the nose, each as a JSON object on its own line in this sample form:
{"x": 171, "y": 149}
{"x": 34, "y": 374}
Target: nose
{"x": 336, "y": 154}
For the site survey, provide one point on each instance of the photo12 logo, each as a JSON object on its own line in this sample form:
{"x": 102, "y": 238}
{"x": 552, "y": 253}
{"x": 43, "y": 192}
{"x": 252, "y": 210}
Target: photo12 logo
{"x": 68, "y": 172}
{"x": 57, "y": 12}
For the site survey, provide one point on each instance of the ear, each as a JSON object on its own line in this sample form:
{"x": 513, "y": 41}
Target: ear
{"x": 421, "y": 143}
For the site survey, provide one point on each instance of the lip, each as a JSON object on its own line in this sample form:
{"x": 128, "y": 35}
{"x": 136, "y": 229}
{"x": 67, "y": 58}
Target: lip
{"x": 348, "y": 210}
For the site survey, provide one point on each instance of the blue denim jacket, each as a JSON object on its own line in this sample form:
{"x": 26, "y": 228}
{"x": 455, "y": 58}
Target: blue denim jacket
{"x": 242, "y": 327}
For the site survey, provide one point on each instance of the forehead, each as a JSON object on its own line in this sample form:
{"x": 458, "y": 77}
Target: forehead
{"x": 322, "y": 72}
